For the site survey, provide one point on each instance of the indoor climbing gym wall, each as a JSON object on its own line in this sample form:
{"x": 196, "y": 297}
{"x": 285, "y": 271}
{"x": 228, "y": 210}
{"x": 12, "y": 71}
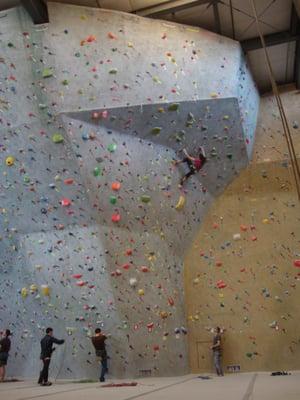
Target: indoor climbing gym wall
{"x": 94, "y": 228}
{"x": 242, "y": 270}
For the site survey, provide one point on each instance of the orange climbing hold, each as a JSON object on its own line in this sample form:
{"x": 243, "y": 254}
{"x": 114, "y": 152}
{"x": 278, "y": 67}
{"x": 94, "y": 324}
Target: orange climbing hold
{"x": 116, "y": 186}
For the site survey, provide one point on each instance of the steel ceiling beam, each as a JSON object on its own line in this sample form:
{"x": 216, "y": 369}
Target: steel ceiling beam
{"x": 148, "y": 12}
{"x": 295, "y": 29}
{"x": 37, "y": 9}
{"x": 271, "y": 40}
{"x": 217, "y": 18}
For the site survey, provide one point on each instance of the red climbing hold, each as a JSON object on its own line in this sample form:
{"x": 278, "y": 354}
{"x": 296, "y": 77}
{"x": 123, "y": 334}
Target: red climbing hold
{"x": 65, "y": 202}
{"x": 116, "y": 217}
{"x": 297, "y": 263}
{"x": 77, "y": 276}
{"x": 221, "y": 284}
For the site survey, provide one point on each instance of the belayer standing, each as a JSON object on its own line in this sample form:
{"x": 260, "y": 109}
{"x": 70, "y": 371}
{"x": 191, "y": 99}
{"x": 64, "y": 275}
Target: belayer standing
{"x": 194, "y": 163}
{"x": 46, "y": 353}
{"x": 4, "y": 350}
{"x": 217, "y": 351}
{"x": 99, "y": 343}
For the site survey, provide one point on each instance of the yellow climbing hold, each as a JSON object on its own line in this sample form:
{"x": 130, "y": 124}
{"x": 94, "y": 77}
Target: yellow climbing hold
{"x": 45, "y": 290}
{"x": 181, "y": 203}
{"x": 24, "y": 292}
{"x": 10, "y": 161}
{"x": 141, "y": 292}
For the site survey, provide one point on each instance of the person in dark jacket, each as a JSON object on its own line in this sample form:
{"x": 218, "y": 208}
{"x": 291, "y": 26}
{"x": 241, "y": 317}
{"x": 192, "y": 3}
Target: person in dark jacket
{"x": 99, "y": 343}
{"x": 4, "y": 350}
{"x": 46, "y": 353}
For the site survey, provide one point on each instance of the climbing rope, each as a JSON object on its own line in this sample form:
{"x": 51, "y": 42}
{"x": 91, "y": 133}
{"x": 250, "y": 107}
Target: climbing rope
{"x": 61, "y": 362}
{"x": 285, "y": 124}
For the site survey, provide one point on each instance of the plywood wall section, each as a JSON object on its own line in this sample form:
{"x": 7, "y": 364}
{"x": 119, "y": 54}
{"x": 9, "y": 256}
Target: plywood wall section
{"x": 249, "y": 240}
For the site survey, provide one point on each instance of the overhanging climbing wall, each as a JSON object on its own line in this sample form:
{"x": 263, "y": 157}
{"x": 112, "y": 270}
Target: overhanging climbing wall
{"x": 90, "y": 234}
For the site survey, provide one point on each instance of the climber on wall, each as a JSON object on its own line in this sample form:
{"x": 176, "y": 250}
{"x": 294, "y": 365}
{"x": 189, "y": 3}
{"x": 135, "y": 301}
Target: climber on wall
{"x": 194, "y": 164}
{"x": 99, "y": 343}
{"x": 46, "y": 353}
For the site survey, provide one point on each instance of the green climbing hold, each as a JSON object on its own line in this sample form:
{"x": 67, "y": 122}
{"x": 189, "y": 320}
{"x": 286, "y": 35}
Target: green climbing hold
{"x": 145, "y": 198}
{"x": 47, "y": 72}
{"x": 249, "y": 355}
{"x": 113, "y": 71}
{"x": 65, "y": 82}
{"x": 156, "y": 130}
{"x": 77, "y": 54}
{"x": 173, "y": 107}
{"x": 97, "y": 171}
{"x": 112, "y": 199}
{"x": 229, "y": 155}
{"x": 10, "y": 44}
{"x": 26, "y": 179}
{"x": 57, "y": 138}
{"x": 112, "y": 147}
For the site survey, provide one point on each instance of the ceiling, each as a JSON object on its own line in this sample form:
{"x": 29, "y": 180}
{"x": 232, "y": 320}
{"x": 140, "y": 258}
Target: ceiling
{"x": 233, "y": 18}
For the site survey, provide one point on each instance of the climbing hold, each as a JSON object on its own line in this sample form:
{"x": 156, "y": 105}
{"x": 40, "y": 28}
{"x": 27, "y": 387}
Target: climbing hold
{"x": 97, "y": 171}
{"x": 10, "y": 161}
{"x": 24, "y": 292}
{"x": 133, "y": 282}
{"x": 57, "y": 138}
{"x": 145, "y": 198}
{"x": 116, "y": 186}
{"x": 65, "y": 202}
{"x": 112, "y": 147}
{"x": 297, "y": 263}
{"x": 112, "y": 199}
{"x": 173, "y": 107}
{"x": 221, "y": 284}
{"x": 33, "y": 288}
{"x": 116, "y": 217}
{"x": 45, "y": 289}
{"x": 144, "y": 269}
{"x": 156, "y": 130}
{"x": 150, "y": 326}
{"x": 68, "y": 181}
{"x": 113, "y": 71}
{"x": 180, "y": 204}
{"x": 47, "y": 72}
{"x": 80, "y": 283}
{"x": 237, "y": 236}
{"x": 77, "y": 276}
{"x": 141, "y": 292}
{"x": 164, "y": 314}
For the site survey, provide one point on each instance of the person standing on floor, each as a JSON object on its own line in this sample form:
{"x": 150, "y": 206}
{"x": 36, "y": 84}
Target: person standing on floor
{"x": 99, "y": 344}
{"x": 217, "y": 351}
{"x": 4, "y": 350}
{"x": 46, "y": 353}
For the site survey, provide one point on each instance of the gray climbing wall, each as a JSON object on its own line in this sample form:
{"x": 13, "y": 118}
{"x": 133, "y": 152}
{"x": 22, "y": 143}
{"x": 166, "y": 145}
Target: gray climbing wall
{"x": 93, "y": 225}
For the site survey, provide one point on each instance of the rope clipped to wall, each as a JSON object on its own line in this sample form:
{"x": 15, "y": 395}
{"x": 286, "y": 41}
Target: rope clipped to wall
{"x": 286, "y": 128}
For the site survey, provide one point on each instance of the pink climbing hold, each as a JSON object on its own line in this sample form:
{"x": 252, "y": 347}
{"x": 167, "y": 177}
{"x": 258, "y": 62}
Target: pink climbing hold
{"x": 126, "y": 266}
{"x": 144, "y": 269}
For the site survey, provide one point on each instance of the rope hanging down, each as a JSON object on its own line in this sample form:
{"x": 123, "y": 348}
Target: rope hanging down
{"x": 286, "y": 128}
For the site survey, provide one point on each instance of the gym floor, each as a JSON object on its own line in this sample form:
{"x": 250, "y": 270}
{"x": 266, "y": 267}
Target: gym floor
{"x": 243, "y": 386}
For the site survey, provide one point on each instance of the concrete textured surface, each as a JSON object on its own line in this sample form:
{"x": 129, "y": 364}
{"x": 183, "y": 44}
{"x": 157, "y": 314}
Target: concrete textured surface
{"x": 255, "y": 386}
{"x": 93, "y": 111}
